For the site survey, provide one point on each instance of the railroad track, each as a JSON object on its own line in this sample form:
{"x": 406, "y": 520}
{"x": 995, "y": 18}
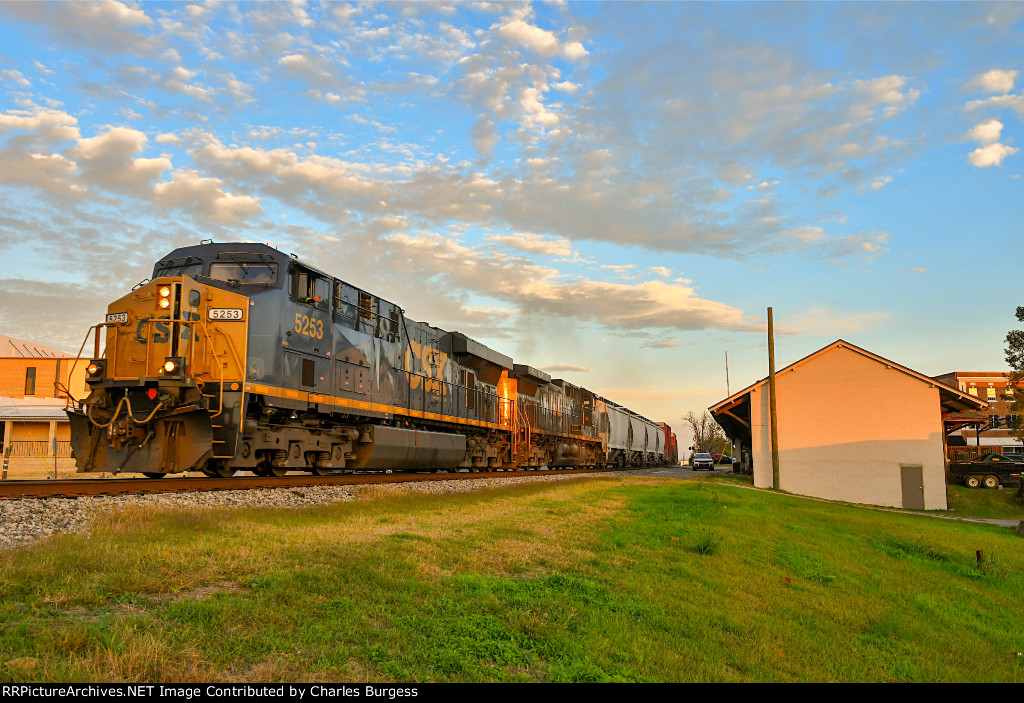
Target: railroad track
{"x": 74, "y": 488}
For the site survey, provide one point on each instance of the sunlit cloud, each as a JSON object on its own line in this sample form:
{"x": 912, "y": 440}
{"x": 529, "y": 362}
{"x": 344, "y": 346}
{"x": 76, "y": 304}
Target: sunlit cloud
{"x": 994, "y": 81}
{"x": 991, "y": 155}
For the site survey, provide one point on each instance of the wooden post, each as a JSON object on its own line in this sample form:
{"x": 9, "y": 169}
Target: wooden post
{"x": 772, "y": 407}
{"x": 7, "y": 461}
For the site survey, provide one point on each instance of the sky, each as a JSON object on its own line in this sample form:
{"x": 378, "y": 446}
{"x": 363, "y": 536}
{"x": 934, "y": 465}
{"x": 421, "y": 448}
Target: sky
{"x": 612, "y": 192}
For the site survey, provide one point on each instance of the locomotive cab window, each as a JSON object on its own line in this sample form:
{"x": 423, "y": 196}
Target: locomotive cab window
{"x": 308, "y": 288}
{"x": 177, "y": 268}
{"x": 244, "y": 273}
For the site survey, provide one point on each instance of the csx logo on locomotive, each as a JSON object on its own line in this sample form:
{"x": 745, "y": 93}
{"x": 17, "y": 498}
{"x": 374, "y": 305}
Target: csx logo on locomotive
{"x": 198, "y": 384}
{"x": 159, "y": 332}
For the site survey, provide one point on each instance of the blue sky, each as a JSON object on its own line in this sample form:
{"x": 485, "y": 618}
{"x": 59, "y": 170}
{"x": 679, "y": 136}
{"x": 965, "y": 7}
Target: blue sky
{"x": 614, "y": 192}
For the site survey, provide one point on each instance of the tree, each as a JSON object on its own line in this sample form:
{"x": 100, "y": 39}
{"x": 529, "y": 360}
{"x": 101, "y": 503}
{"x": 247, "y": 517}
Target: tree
{"x": 707, "y": 434}
{"x": 1015, "y": 358}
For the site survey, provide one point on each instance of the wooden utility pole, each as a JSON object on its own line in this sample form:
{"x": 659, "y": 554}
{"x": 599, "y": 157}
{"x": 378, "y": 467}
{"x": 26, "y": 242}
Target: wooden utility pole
{"x": 728, "y": 393}
{"x": 771, "y": 401}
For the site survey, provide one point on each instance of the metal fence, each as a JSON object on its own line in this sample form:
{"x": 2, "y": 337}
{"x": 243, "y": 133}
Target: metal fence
{"x": 967, "y": 453}
{"x": 40, "y": 448}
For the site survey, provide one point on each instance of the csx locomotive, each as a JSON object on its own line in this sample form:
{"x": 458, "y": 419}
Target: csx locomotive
{"x": 238, "y": 357}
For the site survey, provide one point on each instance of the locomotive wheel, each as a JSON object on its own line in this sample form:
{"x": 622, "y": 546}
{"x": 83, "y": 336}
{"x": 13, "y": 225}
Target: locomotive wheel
{"x": 277, "y": 471}
{"x": 153, "y": 474}
{"x": 319, "y": 470}
{"x": 219, "y": 470}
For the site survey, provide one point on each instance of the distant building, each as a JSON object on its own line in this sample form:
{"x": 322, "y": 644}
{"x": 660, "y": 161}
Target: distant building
{"x": 35, "y": 386}
{"x": 992, "y": 388}
{"x": 852, "y": 426}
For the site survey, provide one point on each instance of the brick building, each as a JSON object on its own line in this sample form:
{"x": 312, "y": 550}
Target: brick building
{"x": 991, "y": 388}
{"x": 35, "y": 384}
{"x": 30, "y": 371}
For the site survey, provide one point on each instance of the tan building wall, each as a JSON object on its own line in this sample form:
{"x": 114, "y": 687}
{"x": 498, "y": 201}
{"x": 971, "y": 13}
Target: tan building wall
{"x": 826, "y": 407}
{"x": 14, "y": 377}
{"x": 35, "y": 431}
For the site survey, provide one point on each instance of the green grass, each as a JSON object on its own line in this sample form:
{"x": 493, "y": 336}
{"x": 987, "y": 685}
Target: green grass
{"x": 585, "y": 580}
{"x": 978, "y": 502}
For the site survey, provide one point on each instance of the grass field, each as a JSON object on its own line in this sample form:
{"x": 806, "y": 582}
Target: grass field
{"x": 619, "y": 579}
{"x": 976, "y": 502}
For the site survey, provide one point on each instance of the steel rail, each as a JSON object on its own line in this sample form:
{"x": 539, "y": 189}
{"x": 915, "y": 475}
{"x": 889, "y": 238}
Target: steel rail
{"x": 74, "y": 488}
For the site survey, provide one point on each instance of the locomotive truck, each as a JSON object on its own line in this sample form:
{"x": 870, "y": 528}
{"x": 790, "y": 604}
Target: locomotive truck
{"x": 239, "y": 357}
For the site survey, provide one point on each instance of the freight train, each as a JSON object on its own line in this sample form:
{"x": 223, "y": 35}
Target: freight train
{"x": 239, "y": 357}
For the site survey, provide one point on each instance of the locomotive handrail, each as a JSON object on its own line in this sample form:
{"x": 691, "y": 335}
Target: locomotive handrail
{"x": 488, "y": 408}
{"x": 96, "y": 355}
{"x": 199, "y": 325}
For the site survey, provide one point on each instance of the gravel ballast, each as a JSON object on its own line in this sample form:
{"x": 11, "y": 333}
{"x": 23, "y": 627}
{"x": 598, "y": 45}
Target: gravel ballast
{"x": 28, "y": 520}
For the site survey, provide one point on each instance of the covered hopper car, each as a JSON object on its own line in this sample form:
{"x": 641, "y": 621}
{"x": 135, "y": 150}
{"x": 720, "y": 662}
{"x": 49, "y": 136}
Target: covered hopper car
{"x": 238, "y": 357}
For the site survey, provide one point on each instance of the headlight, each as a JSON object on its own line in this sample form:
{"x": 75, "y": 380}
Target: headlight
{"x": 96, "y": 370}
{"x": 163, "y": 297}
{"x": 173, "y": 366}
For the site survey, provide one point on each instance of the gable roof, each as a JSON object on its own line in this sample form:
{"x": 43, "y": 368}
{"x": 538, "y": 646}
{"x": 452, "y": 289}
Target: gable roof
{"x": 16, "y": 348}
{"x": 947, "y": 394}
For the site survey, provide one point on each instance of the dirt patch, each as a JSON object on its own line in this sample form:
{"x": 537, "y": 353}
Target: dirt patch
{"x": 21, "y": 665}
{"x": 203, "y": 592}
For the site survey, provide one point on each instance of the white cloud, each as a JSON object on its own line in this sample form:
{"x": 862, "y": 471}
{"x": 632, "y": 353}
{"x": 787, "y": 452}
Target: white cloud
{"x": 574, "y": 50}
{"x": 880, "y": 182}
{"x": 560, "y": 368}
{"x": 831, "y": 322}
{"x": 43, "y": 69}
{"x": 836, "y": 248}
{"x": 1014, "y": 102}
{"x": 537, "y": 290}
{"x": 662, "y": 271}
{"x": 49, "y": 124}
{"x": 104, "y": 26}
{"x": 205, "y": 197}
{"x": 530, "y": 99}
{"x": 106, "y": 161}
{"x": 47, "y": 173}
{"x": 987, "y": 132}
{"x": 15, "y": 77}
{"x": 885, "y": 91}
{"x": 660, "y": 344}
{"x": 995, "y": 81}
{"x": 516, "y": 31}
{"x": 991, "y": 155}
{"x": 533, "y": 243}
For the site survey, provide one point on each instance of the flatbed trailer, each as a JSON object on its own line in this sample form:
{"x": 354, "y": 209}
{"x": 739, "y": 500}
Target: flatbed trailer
{"x": 987, "y": 470}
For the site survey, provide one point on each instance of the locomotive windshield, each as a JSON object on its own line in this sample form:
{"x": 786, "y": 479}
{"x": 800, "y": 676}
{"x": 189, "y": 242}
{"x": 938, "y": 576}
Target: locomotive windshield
{"x": 186, "y": 266}
{"x": 244, "y": 272}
